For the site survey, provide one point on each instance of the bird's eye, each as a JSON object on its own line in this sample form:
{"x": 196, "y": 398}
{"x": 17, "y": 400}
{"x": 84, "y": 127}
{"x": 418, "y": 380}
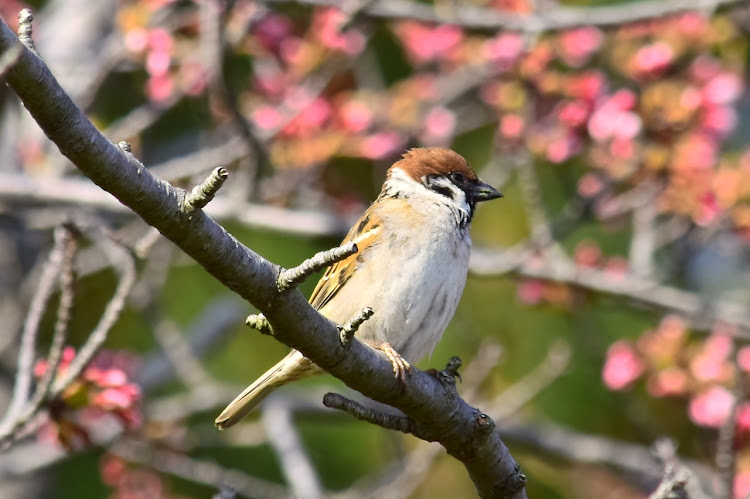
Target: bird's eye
{"x": 457, "y": 177}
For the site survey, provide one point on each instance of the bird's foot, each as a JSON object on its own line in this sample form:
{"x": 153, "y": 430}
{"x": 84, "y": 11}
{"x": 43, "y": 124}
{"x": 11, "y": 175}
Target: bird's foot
{"x": 401, "y": 368}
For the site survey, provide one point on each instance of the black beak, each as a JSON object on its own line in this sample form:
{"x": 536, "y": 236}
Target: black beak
{"x": 484, "y": 192}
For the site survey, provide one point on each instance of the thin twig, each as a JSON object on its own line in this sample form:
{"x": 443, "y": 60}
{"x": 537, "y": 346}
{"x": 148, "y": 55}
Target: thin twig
{"x": 291, "y": 278}
{"x": 30, "y": 331}
{"x": 351, "y": 327}
{"x": 122, "y": 260}
{"x": 383, "y": 419}
{"x": 260, "y": 323}
{"x": 203, "y": 193}
{"x": 287, "y": 444}
{"x": 672, "y": 485}
{"x": 25, "y": 17}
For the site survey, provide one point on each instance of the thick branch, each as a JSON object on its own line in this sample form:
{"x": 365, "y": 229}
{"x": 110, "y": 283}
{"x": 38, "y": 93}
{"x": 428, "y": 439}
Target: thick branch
{"x": 295, "y": 322}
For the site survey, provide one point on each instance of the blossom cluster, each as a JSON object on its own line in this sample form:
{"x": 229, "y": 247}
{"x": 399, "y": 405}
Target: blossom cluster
{"x": 102, "y": 391}
{"x": 704, "y": 372}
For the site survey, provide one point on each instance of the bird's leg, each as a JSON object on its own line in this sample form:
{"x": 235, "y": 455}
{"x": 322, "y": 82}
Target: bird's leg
{"x": 401, "y": 368}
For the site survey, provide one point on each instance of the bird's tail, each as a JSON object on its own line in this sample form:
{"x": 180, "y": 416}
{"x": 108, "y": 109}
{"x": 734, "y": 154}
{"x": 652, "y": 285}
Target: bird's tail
{"x": 291, "y": 368}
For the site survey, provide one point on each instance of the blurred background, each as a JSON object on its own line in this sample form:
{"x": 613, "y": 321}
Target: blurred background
{"x": 605, "y": 320}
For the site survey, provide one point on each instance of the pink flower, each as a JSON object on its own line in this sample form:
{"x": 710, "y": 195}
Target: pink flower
{"x": 590, "y": 185}
{"x": 511, "y": 126}
{"x": 709, "y": 209}
{"x": 668, "y": 382}
{"x": 743, "y": 358}
{"x": 719, "y": 120}
{"x": 355, "y": 116}
{"x": 267, "y": 118}
{"x": 272, "y": 29}
{"x": 136, "y": 40}
{"x": 439, "y": 122}
{"x": 381, "y": 145}
{"x": 587, "y": 254}
{"x": 530, "y": 291}
{"x": 159, "y": 88}
{"x": 612, "y": 118}
{"x": 587, "y": 86}
{"x": 160, "y": 40}
{"x": 743, "y": 417}
{"x": 157, "y": 62}
{"x": 573, "y": 113}
{"x": 742, "y": 484}
{"x": 424, "y": 43}
{"x": 711, "y": 407}
{"x": 562, "y": 148}
{"x": 326, "y": 25}
{"x": 622, "y": 366}
{"x": 703, "y": 68}
{"x": 692, "y": 23}
{"x": 577, "y": 45}
{"x": 653, "y": 58}
{"x": 504, "y": 49}
{"x": 724, "y": 88}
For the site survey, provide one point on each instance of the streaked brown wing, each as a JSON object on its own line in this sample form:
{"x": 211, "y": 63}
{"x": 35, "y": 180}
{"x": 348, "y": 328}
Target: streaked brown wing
{"x": 364, "y": 234}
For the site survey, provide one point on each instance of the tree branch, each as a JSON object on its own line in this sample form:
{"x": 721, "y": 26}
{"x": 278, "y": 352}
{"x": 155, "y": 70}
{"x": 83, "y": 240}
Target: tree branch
{"x": 549, "y": 18}
{"x": 295, "y": 322}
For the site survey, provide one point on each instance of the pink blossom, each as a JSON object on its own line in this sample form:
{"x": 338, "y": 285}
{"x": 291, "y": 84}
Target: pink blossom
{"x": 590, "y": 185}
{"x": 622, "y": 148}
{"x": 696, "y": 152}
{"x": 159, "y": 88}
{"x": 504, "y": 49}
{"x": 272, "y": 29}
{"x": 310, "y": 119}
{"x": 587, "y": 86}
{"x": 160, "y": 40}
{"x": 573, "y": 113}
{"x": 711, "y": 407}
{"x": 743, "y": 358}
{"x": 193, "y": 77}
{"x": 157, "y": 62}
{"x": 616, "y": 268}
{"x": 718, "y": 346}
{"x": 719, "y": 120}
{"x": 587, "y": 254}
{"x": 511, "y": 126}
{"x": 355, "y": 116}
{"x": 691, "y": 98}
{"x": 577, "y": 45}
{"x": 622, "y": 366}
{"x": 692, "y": 23}
{"x": 743, "y": 417}
{"x": 112, "y": 398}
{"x": 267, "y": 118}
{"x": 562, "y": 148}
{"x": 653, "y": 58}
{"x": 326, "y": 25}
{"x": 439, "y": 122}
{"x": 742, "y": 484}
{"x": 424, "y": 43}
{"x": 709, "y": 209}
{"x": 668, "y": 382}
{"x": 530, "y": 291}
{"x": 292, "y": 50}
{"x": 136, "y": 40}
{"x": 608, "y": 122}
{"x": 381, "y": 145}
{"x": 113, "y": 378}
{"x": 724, "y": 88}
{"x": 703, "y": 68}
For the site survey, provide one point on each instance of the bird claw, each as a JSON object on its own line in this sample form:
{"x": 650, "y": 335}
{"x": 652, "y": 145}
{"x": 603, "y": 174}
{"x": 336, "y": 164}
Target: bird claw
{"x": 401, "y": 368}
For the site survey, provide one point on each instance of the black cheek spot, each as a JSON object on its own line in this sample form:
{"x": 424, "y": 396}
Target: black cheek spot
{"x": 445, "y": 191}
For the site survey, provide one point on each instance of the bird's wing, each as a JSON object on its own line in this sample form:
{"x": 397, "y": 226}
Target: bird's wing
{"x": 364, "y": 234}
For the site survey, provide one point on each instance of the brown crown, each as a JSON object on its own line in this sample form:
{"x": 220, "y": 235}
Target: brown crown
{"x": 420, "y": 162}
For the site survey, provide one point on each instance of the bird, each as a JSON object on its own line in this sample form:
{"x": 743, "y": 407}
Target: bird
{"x": 410, "y": 268}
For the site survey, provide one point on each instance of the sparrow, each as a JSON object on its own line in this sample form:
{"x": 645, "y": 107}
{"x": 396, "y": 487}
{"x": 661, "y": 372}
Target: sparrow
{"x": 410, "y": 267}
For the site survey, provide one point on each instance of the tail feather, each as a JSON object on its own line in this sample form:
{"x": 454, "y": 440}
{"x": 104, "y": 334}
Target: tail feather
{"x": 291, "y": 368}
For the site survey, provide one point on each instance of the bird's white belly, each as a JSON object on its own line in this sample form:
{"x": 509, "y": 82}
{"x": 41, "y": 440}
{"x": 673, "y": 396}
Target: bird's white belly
{"x": 415, "y": 302}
